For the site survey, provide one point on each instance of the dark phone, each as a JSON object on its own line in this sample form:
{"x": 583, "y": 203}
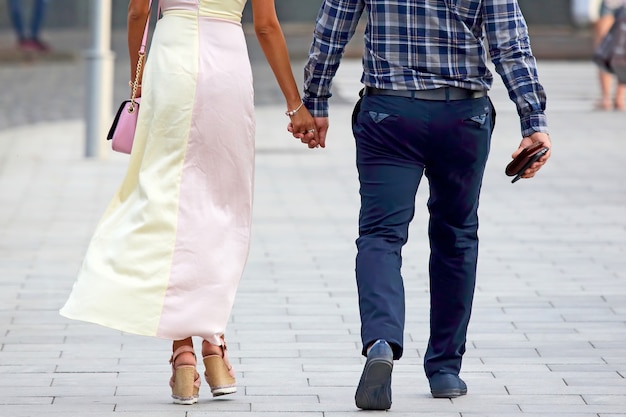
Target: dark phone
{"x": 513, "y": 168}
{"x": 528, "y": 159}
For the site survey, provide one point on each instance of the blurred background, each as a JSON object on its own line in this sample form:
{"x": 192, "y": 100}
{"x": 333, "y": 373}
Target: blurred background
{"x": 75, "y": 13}
{"x": 39, "y": 87}
{"x": 557, "y": 27}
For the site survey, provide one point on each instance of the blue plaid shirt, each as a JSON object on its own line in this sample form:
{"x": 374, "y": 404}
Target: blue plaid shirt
{"x": 427, "y": 44}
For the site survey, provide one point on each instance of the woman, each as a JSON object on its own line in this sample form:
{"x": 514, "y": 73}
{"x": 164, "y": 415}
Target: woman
{"x": 608, "y": 9}
{"x": 166, "y": 258}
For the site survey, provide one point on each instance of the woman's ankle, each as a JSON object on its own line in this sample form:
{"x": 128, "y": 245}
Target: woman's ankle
{"x": 185, "y": 357}
{"x": 211, "y": 349}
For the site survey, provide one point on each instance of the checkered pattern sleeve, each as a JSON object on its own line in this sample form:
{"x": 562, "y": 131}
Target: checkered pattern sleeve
{"x": 336, "y": 24}
{"x": 510, "y": 51}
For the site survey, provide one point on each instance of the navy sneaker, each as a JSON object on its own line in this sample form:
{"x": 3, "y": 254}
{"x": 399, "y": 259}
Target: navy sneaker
{"x": 374, "y": 390}
{"x": 447, "y": 386}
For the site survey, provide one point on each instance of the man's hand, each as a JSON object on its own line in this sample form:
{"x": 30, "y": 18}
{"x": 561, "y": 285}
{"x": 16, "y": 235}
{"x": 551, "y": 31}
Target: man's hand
{"x": 313, "y": 139}
{"x": 527, "y": 141}
{"x": 321, "y": 124}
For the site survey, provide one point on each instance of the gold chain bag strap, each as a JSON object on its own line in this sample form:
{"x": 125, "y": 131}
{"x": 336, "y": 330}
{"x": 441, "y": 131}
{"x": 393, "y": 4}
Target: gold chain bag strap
{"x": 122, "y": 131}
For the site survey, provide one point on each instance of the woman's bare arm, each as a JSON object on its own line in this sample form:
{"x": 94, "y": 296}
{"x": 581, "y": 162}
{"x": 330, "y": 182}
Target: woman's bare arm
{"x": 272, "y": 41}
{"x": 138, "y": 13}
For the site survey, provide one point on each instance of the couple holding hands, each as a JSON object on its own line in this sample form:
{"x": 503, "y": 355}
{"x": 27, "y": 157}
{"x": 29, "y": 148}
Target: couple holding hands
{"x": 166, "y": 258}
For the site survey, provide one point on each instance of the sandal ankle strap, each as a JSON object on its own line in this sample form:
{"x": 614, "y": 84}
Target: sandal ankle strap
{"x": 180, "y": 350}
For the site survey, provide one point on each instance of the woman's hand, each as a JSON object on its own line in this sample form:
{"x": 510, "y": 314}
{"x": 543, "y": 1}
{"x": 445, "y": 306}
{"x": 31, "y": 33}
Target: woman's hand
{"x": 302, "y": 126}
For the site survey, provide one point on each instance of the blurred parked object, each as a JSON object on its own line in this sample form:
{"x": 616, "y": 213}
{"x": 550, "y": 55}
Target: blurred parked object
{"x": 100, "y": 73}
{"x": 585, "y": 12}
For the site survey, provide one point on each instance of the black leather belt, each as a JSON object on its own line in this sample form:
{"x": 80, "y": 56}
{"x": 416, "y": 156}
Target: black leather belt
{"x": 437, "y": 94}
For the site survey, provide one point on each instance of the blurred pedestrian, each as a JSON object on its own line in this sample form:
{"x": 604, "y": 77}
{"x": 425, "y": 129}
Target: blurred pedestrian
{"x": 424, "y": 112}
{"x": 608, "y": 82}
{"x": 28, "y": 36}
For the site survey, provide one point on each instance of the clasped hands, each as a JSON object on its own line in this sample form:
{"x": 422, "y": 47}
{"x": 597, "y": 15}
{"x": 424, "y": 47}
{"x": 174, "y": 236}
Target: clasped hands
{"x": 310, "y": 130}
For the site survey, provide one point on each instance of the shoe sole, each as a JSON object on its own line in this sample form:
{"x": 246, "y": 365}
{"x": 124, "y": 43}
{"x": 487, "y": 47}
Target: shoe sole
{"x": 451, "y": 393}
{"x": 184, "y": 401}
{"x": 218, "y": 392}
{"x": 373, "y": 390}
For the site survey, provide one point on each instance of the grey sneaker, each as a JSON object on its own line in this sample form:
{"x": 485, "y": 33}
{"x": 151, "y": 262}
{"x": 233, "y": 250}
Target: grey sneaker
{"x": 374, "y": 390}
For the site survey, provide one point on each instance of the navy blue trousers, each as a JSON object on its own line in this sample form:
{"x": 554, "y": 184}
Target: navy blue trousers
{"x": 398, "y": 140}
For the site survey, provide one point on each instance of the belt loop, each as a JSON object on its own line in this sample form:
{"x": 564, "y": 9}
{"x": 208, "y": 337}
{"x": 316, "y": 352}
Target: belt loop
{"x": 447, "y": 94}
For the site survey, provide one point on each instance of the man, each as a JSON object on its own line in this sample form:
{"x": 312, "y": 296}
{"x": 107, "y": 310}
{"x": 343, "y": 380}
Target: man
{"x": 424, "y": 111}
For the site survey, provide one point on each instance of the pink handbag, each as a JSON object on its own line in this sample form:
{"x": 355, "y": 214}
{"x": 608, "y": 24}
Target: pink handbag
{"x": 122, "y": 131}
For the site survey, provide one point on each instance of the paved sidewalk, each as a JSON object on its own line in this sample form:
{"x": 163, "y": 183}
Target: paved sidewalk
{"x": 548, "y": 334}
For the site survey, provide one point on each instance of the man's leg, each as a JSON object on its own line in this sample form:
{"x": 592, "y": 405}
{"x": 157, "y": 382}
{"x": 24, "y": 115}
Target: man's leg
{"x": 455, "y": 170}
{"x": 388, "y": 183}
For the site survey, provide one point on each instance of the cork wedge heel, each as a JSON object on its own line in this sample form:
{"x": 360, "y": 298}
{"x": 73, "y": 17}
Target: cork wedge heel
{"x": 219, "y": 374}
{"x": 185, "y": 381}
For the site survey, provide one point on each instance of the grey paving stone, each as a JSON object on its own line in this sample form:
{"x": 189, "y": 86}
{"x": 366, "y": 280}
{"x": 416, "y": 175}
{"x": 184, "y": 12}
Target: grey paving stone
{"x": 54, "y": 411}
{"x": 194, "y": 413}
{"x": 142, "y": 404}
{"x": 549, "y": 414}
{"x": 519, "y": 388}
{"x": 398, "y": 414}
{"x": 573, "y": 409}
